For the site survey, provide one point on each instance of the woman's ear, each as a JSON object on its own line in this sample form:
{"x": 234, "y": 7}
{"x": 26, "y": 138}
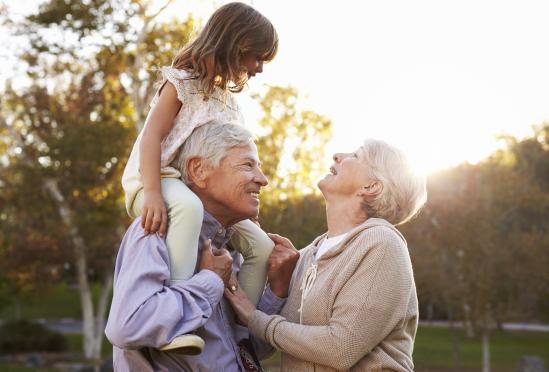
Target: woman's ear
{"x": 373, "y": 189}
{"x": 197, "y": 172}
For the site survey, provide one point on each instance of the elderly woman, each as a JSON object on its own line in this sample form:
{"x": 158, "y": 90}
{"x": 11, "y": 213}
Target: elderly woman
{"x": 352, "y": 301}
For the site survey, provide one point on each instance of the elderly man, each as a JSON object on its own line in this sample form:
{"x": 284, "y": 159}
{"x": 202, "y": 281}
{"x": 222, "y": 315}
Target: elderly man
{"x": 148, "y": 311}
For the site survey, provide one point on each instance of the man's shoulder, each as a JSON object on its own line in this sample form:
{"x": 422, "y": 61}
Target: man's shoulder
{"x": 135, "y": 240}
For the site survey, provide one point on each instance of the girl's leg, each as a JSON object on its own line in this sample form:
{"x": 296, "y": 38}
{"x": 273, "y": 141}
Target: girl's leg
{"x": 255, "y": 246}
{"x": 185, "y": 215}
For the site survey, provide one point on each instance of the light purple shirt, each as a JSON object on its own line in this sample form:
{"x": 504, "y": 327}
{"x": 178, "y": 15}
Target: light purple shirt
{"x": 148, "y": 311}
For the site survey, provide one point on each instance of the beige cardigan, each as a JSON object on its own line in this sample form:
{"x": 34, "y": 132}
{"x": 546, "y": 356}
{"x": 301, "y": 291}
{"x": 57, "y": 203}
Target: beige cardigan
{"x": 360, "y": 313}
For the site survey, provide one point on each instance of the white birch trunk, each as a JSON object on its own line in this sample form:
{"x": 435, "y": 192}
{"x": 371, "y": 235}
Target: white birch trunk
{"x": 485, "y": 350}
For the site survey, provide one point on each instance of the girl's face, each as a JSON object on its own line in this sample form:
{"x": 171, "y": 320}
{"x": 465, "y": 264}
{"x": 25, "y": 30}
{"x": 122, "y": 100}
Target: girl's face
{"x": 251, "y": 64}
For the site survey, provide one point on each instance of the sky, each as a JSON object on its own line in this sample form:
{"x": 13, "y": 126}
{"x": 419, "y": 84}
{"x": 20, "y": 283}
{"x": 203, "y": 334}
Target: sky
{"x": 439, "y": 79}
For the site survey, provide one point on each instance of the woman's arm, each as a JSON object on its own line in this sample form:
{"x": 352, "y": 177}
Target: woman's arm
{"x": 358, "y": 322}
{"x": 159, "y": 123}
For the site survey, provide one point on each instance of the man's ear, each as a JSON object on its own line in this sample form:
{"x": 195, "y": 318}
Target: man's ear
{"x": 373, "y": 189}
{"x": 197, "y": 172}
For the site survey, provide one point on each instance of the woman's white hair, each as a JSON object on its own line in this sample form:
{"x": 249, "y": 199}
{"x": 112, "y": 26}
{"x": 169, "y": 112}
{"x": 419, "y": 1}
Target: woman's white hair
{"x": 211, "y": 142}
{"x": 403, "y": 191}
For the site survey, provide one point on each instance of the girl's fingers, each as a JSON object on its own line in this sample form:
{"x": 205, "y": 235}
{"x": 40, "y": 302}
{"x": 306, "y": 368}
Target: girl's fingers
{"x": 143, "y": 218}
{"x": 148, "y": 222}
{"x": 163, "y": 224}
{"x": 156, "y": 221}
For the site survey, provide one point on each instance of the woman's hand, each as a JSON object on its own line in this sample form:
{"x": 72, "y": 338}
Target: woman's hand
{"x": 155, "y": 216}
{"x": 242, "y": 306}
{"x": 281, "y": 265}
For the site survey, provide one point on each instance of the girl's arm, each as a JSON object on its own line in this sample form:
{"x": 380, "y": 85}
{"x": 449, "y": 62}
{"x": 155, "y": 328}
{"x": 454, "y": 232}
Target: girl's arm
{"x": 159, "y": 123}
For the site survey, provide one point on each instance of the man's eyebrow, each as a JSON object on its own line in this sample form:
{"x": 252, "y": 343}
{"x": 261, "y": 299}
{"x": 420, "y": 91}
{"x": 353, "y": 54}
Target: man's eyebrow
{"x": 254, "y": 160}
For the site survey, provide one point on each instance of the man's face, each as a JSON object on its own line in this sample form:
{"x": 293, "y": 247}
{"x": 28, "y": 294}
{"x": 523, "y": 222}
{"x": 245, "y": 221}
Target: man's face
{"x": 231, "y": 193}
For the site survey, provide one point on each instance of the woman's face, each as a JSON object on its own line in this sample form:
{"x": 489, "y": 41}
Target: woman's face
{"x": 348, "y": 174}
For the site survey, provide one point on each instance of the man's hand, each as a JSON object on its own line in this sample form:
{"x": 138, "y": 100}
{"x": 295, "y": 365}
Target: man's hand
{"x": 281, "y": 265}
{"x": 220, "y": 262}
{"x": 154, "y": 216}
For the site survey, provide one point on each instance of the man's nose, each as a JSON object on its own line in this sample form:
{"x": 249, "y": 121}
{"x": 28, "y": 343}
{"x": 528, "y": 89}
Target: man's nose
{"x": 261, "y": 178}
{"x": 259, "y": 68}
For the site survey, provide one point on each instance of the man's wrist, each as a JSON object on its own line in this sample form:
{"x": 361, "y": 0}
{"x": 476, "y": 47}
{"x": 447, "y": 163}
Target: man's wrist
{"x": 279, "y": 290}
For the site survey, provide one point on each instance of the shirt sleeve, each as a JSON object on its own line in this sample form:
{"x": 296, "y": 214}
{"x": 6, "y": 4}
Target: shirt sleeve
{"x": 146, "y": 309}
{"x": 269, "y": 304}
{"x": 178, "y": 78}
{"x": 357, "y": 324}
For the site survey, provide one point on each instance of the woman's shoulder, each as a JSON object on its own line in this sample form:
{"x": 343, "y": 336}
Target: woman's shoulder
{"x": 377, "y": 233}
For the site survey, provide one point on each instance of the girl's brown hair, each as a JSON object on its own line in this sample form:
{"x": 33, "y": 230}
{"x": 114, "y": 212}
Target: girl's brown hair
{"x": 214, "y": 56}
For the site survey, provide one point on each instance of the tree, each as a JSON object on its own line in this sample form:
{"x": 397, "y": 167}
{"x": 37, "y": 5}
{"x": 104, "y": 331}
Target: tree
{"x": 292, "y": 190}
{"x": 480, "y": 221}
{"x": 67, "y": 135}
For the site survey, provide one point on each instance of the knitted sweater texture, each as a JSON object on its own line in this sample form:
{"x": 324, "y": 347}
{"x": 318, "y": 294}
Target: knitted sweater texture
{"x": 359, "y": 313}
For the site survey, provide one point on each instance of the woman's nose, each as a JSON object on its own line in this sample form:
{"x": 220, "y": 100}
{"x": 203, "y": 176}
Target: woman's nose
{"x": 338, "y": 157}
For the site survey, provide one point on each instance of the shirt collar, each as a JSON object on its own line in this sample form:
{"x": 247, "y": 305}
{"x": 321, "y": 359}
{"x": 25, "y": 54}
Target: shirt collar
{"x": 212, "y": 229}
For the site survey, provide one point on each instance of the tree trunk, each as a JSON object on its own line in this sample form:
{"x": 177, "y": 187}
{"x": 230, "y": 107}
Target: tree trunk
{"x": 81, "y": 264}
{"x": 468, "y": 321}
{"x": 485, "y": 350}
{"x": 103, "y": 302}
{"x": 454, "y": 337}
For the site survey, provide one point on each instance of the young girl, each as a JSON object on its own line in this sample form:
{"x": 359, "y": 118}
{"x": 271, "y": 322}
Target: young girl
{"x": 198, "y": 89}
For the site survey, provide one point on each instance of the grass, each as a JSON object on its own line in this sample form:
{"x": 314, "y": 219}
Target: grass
{"x": 59, "y": 301}
{"x": 433, "y": 349}
{"x": 432, "y": 352}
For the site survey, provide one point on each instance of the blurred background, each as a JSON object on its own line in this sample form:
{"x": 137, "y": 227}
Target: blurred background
{"x": 462, "y": 87}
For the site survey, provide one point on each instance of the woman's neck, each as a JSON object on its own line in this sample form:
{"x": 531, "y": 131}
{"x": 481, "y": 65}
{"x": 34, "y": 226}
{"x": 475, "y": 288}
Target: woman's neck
{"x": 343, "y": 215}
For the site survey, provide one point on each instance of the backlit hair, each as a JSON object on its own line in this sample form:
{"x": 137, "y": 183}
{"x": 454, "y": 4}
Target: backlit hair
{"x": 211, "y": 143}
{"x": 403, "y": 192}
{"x": 214, "y": 56}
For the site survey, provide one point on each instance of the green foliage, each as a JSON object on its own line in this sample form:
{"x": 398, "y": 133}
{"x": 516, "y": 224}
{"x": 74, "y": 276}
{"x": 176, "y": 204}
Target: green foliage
{"x": 292, "y": 191}
{"x": 24, "y": 336}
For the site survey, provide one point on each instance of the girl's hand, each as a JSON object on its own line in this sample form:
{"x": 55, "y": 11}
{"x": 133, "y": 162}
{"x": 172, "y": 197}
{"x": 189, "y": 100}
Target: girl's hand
{"x": 242, "y": 306}
{"x": 155, "y": 216}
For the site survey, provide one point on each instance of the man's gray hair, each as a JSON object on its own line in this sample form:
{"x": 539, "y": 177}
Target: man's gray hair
{"x": 403, "y": 192}
{"x": 211, "y": 142}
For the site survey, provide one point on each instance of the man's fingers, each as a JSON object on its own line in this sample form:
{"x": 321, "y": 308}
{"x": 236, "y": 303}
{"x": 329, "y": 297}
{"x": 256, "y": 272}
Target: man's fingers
{"x": 221, "y": 252}
{"x": 277, "y": 239}
{"x": 207, "y": 248}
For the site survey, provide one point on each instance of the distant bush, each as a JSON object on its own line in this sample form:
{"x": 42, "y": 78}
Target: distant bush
{"x": 23, "y": 336}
